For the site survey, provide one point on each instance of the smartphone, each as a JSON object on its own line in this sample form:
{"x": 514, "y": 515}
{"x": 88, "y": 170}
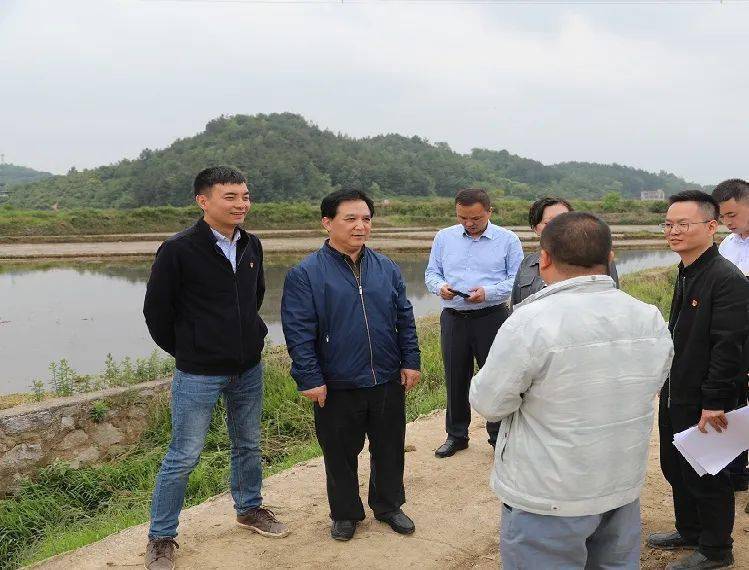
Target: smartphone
{"x": 458, "y": 293}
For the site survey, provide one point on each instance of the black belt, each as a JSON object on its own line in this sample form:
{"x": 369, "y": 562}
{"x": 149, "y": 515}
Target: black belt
{"x": 477, "y": 312}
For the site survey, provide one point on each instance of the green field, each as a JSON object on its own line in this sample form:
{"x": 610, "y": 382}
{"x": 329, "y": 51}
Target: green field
{"x": 435, "y": 212}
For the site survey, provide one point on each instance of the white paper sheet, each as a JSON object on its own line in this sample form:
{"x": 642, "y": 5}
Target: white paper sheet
{"x": 712, "y": 451}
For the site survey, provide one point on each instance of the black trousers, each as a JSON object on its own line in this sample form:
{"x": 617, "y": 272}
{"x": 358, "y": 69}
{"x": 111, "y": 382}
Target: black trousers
{"x": 704, "y": 506}
{"x": 348, "y": 415}
{"x": 465, "y": 338}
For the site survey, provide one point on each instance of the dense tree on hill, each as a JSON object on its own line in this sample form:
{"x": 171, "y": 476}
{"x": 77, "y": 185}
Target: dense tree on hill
{"x": 14, "y": 174}
{"x": 287, "y": 158}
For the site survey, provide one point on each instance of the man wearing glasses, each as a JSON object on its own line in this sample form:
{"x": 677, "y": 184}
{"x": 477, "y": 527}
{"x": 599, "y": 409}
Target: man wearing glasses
{"x": 708, "y": 323}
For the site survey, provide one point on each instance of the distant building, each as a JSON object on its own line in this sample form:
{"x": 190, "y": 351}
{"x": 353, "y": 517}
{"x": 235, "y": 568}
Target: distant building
{"x": 652, "y": 195}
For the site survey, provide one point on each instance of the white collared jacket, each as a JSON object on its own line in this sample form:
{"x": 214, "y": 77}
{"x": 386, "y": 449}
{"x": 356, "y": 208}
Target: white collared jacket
{"x": 572, "y": 374}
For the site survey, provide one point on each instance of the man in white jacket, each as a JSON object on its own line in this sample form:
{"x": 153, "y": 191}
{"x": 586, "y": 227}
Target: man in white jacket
{"x": 572, "y": 375}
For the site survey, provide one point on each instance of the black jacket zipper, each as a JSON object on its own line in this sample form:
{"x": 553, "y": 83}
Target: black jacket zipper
{"x": 236, "y": 294}
{"x": 676, "y": 324}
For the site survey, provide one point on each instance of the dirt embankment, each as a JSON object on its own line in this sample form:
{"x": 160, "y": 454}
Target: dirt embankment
{"x": 394, "y": 243}
{"x": 456, "y": 516}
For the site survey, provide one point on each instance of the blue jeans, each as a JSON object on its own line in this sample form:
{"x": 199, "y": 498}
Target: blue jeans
{"x": 193, "y": 398}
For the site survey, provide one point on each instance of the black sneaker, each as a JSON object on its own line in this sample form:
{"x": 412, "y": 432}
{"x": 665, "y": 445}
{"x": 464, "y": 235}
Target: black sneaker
{"x": 698, "y": 561}
{"x": 669, "y": 541}
{"x": 343, "y": 530}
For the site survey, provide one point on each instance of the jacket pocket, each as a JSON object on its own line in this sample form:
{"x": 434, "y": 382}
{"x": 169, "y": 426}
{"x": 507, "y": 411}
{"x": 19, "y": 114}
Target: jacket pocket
{"x": 208, "y": 340}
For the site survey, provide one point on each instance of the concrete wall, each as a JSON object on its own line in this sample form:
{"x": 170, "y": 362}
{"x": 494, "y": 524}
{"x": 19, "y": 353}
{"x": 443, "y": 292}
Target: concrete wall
{"x": 33, "y": 436}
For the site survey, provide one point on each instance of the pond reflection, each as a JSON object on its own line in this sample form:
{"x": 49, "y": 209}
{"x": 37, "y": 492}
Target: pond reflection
{"x": 83, "y": 310}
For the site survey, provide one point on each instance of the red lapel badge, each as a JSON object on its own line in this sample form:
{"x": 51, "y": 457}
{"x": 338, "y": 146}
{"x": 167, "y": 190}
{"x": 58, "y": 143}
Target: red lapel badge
{"x": 695, "y": 302}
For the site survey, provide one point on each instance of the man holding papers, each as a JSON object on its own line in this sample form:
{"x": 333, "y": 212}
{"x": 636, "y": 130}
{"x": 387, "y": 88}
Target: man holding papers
{"x": 708, "y": 324}
{"x": 572, "y": 375}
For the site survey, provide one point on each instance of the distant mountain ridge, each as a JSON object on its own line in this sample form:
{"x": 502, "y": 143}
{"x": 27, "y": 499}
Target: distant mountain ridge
{"x": 14, "y": 174}
{"x": 287, "y": 158}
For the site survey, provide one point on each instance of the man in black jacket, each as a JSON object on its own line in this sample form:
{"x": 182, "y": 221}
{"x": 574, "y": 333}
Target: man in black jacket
{"x": 708, "y": 323}
{"x": 201, "y": 306}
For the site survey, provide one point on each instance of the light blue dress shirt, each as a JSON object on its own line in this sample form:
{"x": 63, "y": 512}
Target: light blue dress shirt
{"x": 228, "y": 246}
{"x": 489, "y": 261}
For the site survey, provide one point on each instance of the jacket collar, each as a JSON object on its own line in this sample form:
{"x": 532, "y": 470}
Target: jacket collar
{"x": 207, "y": 233}
{"x": 584, "y": 283}
{"x": 329, "y": 249}
{"x": 699, "y": 263}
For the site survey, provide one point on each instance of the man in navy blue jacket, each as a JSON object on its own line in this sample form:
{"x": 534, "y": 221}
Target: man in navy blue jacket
{"x": 351, "y": 335}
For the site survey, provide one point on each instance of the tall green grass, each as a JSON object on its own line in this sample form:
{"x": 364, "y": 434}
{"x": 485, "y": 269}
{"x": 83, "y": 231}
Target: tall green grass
{"x": 654, "y": 286}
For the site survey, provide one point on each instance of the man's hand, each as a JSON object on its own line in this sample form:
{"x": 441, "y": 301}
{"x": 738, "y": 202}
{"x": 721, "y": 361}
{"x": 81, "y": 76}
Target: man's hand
{"x": 317, "y": 395}
{"x": 478, "y": 295}
{"x": 409, "y": 378}
{"x": 446, "y": 294}
{"x": 716, "y": 418}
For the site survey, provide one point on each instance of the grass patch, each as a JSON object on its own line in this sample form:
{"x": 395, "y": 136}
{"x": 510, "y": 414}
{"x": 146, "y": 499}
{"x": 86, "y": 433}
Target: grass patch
{"x": 65, "y": 381}
{"x": 654, "y": 286}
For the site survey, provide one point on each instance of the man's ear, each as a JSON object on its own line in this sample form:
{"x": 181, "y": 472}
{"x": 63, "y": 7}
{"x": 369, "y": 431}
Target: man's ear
{"x": 611, "y": 256}
{"x": 200, "y": 200}
{"x": 326, "y": 223}
{"x": 544, "y": 260}
{"x": 712, "y": 227}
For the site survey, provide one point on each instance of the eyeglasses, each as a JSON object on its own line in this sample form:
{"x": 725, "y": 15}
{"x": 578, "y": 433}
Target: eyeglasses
{"x": 668, "y": 227}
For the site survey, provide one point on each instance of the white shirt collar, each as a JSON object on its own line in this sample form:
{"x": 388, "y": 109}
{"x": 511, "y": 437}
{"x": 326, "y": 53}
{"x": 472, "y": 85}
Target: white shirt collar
{"x": 221, "y": 237}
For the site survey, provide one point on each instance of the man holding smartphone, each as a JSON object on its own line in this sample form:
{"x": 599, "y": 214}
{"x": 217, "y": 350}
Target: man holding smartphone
{"x": 472, "y": 267}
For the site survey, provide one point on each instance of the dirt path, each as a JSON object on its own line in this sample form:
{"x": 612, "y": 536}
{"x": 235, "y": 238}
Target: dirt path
{"x": 455, "y": 513}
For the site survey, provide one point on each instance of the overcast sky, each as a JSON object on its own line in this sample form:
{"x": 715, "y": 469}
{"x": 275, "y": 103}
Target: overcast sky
{"x": 88, "y": 82}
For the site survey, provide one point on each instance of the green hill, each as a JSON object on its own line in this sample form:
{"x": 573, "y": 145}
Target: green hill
{"x": 287, "y": 158}
{"x": 13, "y": 174}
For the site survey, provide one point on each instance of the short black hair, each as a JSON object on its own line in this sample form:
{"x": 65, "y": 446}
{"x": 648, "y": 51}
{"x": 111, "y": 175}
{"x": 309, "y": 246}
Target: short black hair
{"x": 471, "y": 196}
{"x": 707, "y": 203}
{"x": 213, "y": 175}
{"x": 735, "y": 188}
{"x": 536, "y": 213}
{"x": 577, "y": 239}
{"x": 329, "y": 204}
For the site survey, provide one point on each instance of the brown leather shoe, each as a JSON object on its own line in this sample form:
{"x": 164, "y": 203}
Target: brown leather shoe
{"x": 160, "y": 553}
{"x": 263, "y": 522}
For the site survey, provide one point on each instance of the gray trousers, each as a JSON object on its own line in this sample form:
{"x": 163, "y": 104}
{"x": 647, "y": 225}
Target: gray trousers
{"x": 606, "y": 541}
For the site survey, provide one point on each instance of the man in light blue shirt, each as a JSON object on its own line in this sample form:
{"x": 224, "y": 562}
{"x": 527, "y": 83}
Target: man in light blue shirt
{"x": 472, "y": 267}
